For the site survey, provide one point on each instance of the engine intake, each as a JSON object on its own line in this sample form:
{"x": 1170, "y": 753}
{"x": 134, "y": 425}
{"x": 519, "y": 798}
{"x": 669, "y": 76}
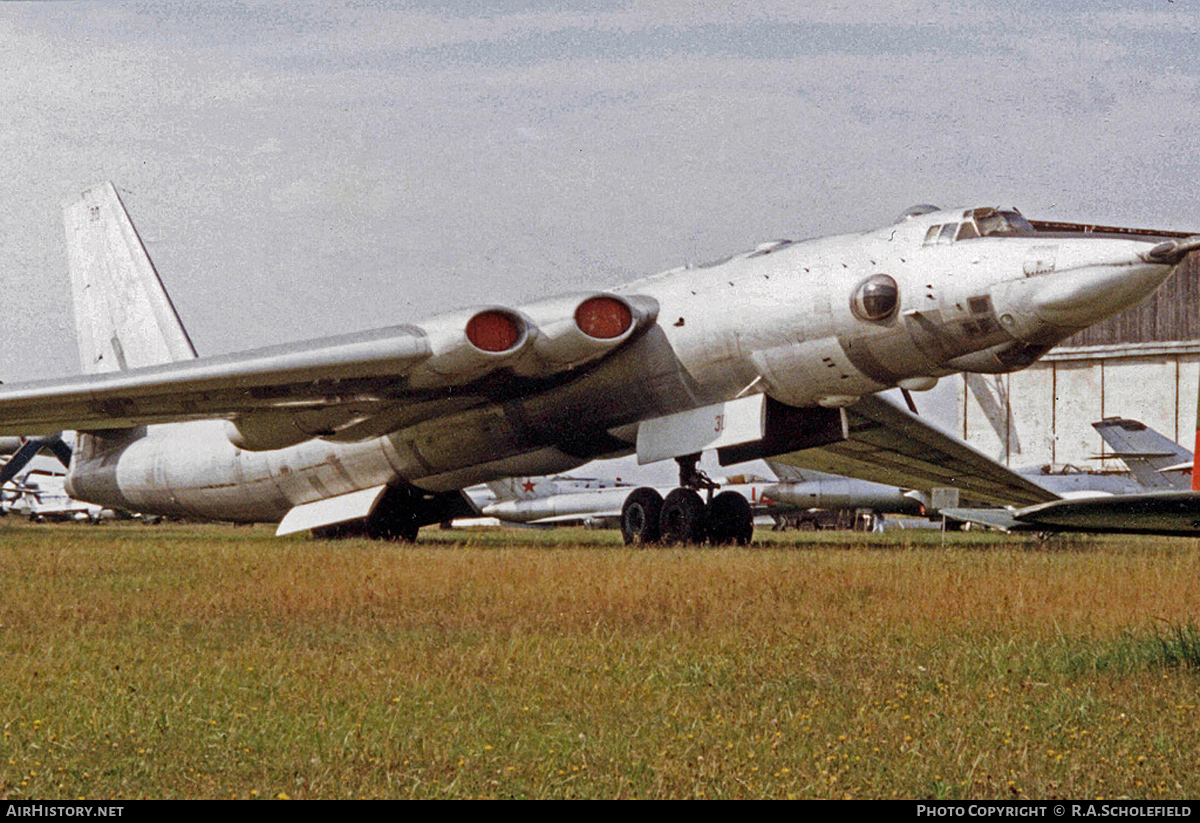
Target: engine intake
{"x": 494, "y": 330}
{"x": 574, "y": 330}
{"x": 604, "y": 317}
{"x": 464, "y": 346}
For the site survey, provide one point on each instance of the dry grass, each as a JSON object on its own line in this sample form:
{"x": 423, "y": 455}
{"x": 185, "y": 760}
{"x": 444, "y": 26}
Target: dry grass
{"x": 209, "y": 661}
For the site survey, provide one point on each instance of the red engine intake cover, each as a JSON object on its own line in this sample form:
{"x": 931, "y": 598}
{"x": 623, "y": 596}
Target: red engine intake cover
{"x": 493, "y": 331}
{"x": 603, "y": 317}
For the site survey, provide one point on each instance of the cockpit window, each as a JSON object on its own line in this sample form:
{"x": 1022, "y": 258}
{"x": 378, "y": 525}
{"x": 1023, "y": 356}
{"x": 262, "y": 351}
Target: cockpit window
{"x": 994, "y": 223}
{"x": 941, "y": 233}
{"x": 980, "y": 223}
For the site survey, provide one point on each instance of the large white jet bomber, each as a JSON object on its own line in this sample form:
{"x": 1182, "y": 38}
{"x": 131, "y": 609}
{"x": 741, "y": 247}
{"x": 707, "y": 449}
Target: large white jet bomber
{"x": 779, "y": 351}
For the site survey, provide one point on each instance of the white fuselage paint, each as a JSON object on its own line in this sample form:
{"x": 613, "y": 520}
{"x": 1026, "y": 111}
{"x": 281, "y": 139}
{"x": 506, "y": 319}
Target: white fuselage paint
{"x": 779, "y": 323}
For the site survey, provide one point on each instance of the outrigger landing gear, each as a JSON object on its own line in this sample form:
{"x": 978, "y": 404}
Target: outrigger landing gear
{"x": 685, "y": 517}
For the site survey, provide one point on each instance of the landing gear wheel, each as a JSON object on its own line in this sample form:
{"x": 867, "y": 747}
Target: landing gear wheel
{"x": 395, "y": 516}
{"x": 683, "y": 517}
{"x": 640, "y": 517}
{"x": 398, "y": 524}
{"x": 730, "y": 519}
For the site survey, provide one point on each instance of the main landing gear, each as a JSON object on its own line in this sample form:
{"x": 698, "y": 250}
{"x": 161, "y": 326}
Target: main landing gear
{"x": 685, "y": 517}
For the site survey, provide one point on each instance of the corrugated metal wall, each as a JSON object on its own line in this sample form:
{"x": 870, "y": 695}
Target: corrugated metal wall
{"x": 1043, "y": 415}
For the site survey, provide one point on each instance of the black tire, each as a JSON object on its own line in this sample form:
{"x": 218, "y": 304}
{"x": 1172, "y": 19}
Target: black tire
{"x": 683, "y": 518}
{"x": 640, "y": 517}
{"x": 393, "y": 525}
{"x": 341, "y": 531}
{"x": 395, "y": 516}
{"x": 399, "y": 525}
{"x": 730, "y": 519}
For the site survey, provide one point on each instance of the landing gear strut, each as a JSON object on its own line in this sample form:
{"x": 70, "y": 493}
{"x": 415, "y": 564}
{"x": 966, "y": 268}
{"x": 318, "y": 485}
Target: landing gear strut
{"x": 686, "y": 517}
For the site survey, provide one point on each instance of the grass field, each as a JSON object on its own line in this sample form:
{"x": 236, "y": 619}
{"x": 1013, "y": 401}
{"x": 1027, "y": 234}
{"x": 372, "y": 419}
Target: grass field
{"x": 213, "y": 661}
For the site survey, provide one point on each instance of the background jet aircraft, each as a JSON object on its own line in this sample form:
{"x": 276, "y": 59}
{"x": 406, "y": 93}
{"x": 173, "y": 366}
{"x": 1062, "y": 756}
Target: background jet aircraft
{"x": 528, "y": 500}
{"x": 776, "y": 351}
{"x": 1150, "y": 502}
{"x": 805, "y": 489}
{"x": 561, "y": 501}
{"x": 38, "y": 493}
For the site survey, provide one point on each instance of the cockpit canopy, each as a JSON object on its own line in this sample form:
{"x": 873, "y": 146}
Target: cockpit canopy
{"x": 976, "y": 223}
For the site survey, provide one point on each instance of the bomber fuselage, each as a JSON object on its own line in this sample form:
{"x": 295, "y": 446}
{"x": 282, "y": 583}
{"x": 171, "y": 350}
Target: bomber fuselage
{"x": 814, "y": 323}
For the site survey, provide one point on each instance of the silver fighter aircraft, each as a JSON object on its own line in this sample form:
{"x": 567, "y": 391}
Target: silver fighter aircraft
{"x": 1167, "y": 501}
{"x": 777, "y": 351}
{"x": 551, "y": 502}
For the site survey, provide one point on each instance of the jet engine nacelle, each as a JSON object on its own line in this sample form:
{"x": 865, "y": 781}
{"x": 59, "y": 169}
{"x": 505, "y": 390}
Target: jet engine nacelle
{"x": 574, "y": 330}
{"x": 538, "y": 340}
{"x": 465, "y": 345}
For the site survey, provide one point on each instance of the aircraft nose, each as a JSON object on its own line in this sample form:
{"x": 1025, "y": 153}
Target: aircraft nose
{"x": 1172, "y": 252}
{"x": 1087, "y": 295}
{"x": 1091, "y": 281}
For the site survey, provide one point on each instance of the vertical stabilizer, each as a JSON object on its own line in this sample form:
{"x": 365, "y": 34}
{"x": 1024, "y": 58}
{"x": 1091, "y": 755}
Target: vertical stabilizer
{"x": 523, "y": 488}
{"x": 1155, "y": 461}
{"x": 791, "y": 474}
{"x": 123, "y": 316}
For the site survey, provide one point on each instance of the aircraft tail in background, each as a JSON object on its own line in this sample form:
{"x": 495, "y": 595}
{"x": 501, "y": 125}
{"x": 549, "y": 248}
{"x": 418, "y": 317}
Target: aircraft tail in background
{"x": 1157, "y": 462}
{"x": 123, "y": 316}
{"x": 791, "y": 474}
{"x": 522, "y": 488}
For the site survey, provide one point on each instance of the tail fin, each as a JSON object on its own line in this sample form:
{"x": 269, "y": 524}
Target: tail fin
{"x": 790, "y": 474}
{"x": 522, "y": 488}
{"x": 1155, "y": 461}
{"x": 123, "y": 316}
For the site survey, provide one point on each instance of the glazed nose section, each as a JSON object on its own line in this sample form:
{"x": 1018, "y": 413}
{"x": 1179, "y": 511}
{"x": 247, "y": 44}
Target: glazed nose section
{"x": 1092, "y": 280}
{"x": 1081, "y": 297}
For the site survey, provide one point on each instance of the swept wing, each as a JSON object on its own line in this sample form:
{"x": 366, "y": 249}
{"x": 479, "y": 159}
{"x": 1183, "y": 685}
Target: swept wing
{"x": 1167, "y": 513}
{"x": 886, "y": 443}
{"x": 345, "y": 388}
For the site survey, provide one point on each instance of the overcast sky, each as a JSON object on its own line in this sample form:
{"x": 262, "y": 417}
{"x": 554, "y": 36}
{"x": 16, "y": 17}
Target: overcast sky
{"x": 298, "y": 170}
